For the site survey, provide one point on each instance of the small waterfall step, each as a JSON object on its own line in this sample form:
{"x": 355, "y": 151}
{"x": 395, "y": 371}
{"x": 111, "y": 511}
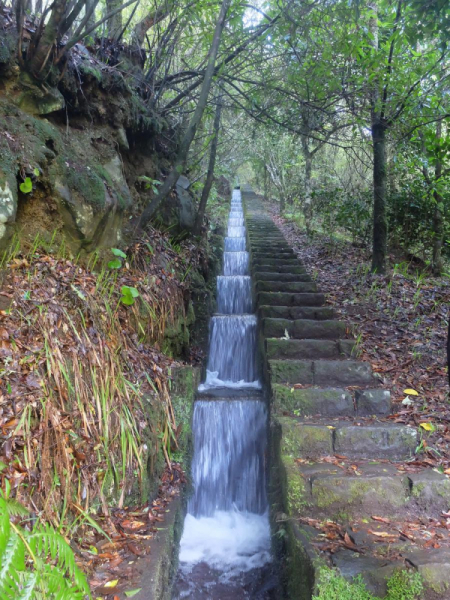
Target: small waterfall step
{"x": 225, "y": 549}
{"x": 340, "y": 455}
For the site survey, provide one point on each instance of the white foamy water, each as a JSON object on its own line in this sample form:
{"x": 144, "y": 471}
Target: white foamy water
{"x": 213, "y": 381}
{"x": 230, "y": 541}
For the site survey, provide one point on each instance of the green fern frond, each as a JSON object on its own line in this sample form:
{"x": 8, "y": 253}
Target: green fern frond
{"x": 15, "y": 509}
{"x": 36, "y": 566}
{"x": 29, "y": 587}
{"x": 13, "y": 560}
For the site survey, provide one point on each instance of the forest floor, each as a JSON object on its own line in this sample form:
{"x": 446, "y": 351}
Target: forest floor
{"x": 400, "y": 323}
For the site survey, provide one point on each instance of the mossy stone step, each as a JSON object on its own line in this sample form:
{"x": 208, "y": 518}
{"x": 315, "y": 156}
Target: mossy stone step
{"x": 377, "y": 441}
{"x": 386, "y": 440}
{"x": 327, "y": 401}
{"x": 275, "y": 262}
{"x": 268, "y": 242}
{"x": 299, "y": 269}
{"x": 345, "y": 497}
{"x": 261, "y": 234}
{"x": 296, "y": 312}
{"x": 307, "y": 348}
{"x": 288, "y": 277}
{"x": 322, "y": 372}
{"x": 307, "y": 402}
{"x": 271, "y": 254}
{"x": 286, "y": 286}
{"x": 288, "y": 299}
{"x": 327, "y": 491}
{"x": 303, "y": 328}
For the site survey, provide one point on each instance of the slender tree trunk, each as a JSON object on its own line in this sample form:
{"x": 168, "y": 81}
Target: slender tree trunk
{"x": 307, "y": 200}
{"x": 379, "y": 197}
{"x": 378, "y": 130}
{"x": 114, "y": 24}
{"x": 180, "y": 161}
{"x": 151, "y": 19}
{"x": 210, "y": 174}
{"x": 265, "y": 182}
{"x": 438, "y": 219}
{"x": 45, "y": 46}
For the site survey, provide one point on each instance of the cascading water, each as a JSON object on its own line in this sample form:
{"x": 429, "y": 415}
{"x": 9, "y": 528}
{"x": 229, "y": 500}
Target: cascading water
{"x": 225, "y": 546}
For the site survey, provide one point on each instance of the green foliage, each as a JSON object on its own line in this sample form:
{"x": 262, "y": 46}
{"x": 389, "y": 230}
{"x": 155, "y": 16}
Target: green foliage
{"x": 333, "y": 587}
{"x": 36, "y": 565}
{"x": 403, "y": 585}
{"x": 116, "y": 263}
{"x": 26, "y": 186}
{"x": 150, "y": 183}
{"x": 351, "y": 212}
{"x": 129, "y": 294}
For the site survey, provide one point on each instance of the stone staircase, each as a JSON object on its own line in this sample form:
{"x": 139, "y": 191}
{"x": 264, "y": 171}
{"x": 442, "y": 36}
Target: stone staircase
{"x": 335, "y": 453}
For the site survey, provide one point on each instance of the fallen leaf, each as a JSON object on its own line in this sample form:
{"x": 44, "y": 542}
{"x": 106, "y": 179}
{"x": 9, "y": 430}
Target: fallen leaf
{"x": 427, "y": 426}
{"x": 381, "y": 519}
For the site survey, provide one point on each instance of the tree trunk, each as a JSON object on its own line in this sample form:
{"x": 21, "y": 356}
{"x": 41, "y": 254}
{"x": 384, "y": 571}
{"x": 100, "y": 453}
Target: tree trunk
{"x": 379, "y": 197}
{"x": 438, "y": 219}
{"x": 160, "y": 13}
{"x": 114, "y": 24}
{"x": 307, "y": 201}
{"x": 180, "y": 161}
{"x": 210, "y": 174}
{"x": 378, "y": 130}
{"x": 49, "y": 37}
{"x": 265, "y": 182}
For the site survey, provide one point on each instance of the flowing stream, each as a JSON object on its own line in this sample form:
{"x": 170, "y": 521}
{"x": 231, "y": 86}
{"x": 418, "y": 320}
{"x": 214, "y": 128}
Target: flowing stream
{"x": 225, "y": 545}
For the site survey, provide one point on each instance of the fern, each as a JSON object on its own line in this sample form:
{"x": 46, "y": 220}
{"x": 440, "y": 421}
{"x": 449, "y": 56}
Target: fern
{"x": 37, "y": 565}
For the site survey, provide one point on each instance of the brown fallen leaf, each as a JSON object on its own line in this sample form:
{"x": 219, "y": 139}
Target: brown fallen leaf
{"x": 383, "y": 534}
{"x": 381, "y": 519}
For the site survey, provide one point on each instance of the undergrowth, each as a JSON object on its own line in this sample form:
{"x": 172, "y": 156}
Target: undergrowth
{"x": 85, "y": 408}
{"x": 403, "y": 585}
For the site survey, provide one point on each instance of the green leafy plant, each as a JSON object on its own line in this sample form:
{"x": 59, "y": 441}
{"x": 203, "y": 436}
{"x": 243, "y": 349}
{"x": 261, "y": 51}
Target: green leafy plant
{"x": 129, "y": 294}
{"x": 403, "y": 585}
{"x": 150, "y": 183}
{"x": 116, "y": 263}
{"x": 26, "y": 186}
{"x": 37, "y": 564}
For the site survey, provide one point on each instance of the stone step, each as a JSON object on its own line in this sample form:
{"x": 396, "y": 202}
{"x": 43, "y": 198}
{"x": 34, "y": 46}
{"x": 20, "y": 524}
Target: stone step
{"x": 271, "y": 254}
{"x": 268, "y": 242}
{"x": 327, "y": 401}
{"x": 287, "y": 299}
{"x": 304, "y": 328}
{"x": 286, "y": 286}
{"x": 264, "y": 276}
{"x": 378, "y": 441}
{"x": 276, "y": 262}
{"x": 266, "y": 250}
{"x": 261, "y": 235}
{"x": 308, "y": 348}
{"x": 279, "y": 268}
{"x": 296, "y": 312}
{"x": 308, "y": 402}
{"x": 322, "y": 372}
{"x": 373, "y": 488}
{"x": 274, "y": 252}
{"x": 381, "y": 490}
